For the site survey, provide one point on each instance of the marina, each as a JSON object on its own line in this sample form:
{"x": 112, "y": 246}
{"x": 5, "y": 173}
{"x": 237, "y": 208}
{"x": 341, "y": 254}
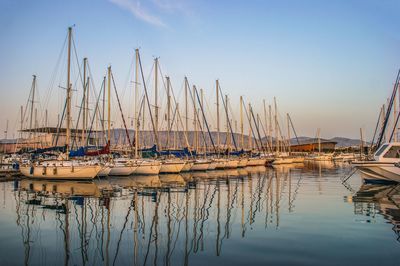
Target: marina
{"x": 202, "y": 217}
{"x": 170, "y": 132}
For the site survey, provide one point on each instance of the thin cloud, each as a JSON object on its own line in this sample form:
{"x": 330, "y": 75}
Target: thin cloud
{"x": 139, "y": 12}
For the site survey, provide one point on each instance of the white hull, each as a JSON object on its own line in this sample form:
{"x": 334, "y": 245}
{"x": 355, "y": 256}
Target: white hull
{"x": 148, "y": 168}
{"x": 212, "y": 166}
{"x": 243, "y": 162}
{"x": 232, "y": 164}
{"x": 282, "y": 161}
{"x": 256, "y": 162}
{"x": 379, "y": 171}
{"x": 172, "y": 167}
{"x": 79, "y": 172}
{"x": 220, "y": 163}
{"x": 104, "y": 172}
{"x": 298, "y": 160}
{"x": 200, "y": 166}
{"x": 122, "y": 170}
{"x": 187, "y": 166}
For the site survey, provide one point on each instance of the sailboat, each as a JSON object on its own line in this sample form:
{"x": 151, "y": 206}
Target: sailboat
{"x": 63, "y": 169}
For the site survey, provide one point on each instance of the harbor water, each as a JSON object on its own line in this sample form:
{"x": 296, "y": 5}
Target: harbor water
{"x": 299, "y": 214}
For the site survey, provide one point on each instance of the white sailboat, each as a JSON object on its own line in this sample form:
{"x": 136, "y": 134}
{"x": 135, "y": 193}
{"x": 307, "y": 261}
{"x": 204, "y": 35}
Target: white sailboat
{"x": 384, "y": 167}
{"x": 63, "y": 169}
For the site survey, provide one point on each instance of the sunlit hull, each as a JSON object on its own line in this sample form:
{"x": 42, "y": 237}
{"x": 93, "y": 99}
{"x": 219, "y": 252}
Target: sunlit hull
{"x": 200, "y": 165}
{"x": 122, "y": 170}
{"x": 79, "y": 172}
{"x": 256, "y": 162}
{"x": 148, "y": 168}
{"x": 172, "y": 167}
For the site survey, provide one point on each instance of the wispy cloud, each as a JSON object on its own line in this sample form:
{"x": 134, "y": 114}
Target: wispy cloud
{"x": 139, "y": 11}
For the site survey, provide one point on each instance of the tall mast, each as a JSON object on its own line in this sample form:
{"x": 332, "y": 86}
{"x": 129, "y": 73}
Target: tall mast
{"x": 109, "y": 105}
{"x": 270, "y": 125}
{"x": 265, "y": 117}
{"x": 168, "y": 111}
{"x": 319, "y": 140}
{"x": 196, "y": 135}
{"x": 228, "y": 139}
{"x": 156, "y": 94}
{"x": 241, "y": 122}
{"x": 136, "y": 103}
{"x": 202, "y": 120}
{"x": 186, "y": 105}
{"x": 288, "y": 132}
{"x": 104, "y": 107}
{"x": 84, "y": 102}
{"x": 250, "y": 131}
{"x": 22, "y": 121}
{"x": 68, "y": 135}
{"x": 395, "y": 117}
{"x": 276, "y": 127}
{"x": 32, "y": 104}
{"x": 218, "y": 129}
{"x": 87, "y": 109}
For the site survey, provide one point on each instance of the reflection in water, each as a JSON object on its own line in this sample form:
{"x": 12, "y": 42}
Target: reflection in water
{"x": 167, "y": 219}
{"x": 383, "y": 199}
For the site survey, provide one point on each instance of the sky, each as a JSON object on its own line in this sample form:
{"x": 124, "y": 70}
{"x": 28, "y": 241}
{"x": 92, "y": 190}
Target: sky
{"x": 330, "y": 64}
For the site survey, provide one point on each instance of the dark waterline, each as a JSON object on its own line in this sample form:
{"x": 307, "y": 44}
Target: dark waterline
{"x": 299, "y": 215}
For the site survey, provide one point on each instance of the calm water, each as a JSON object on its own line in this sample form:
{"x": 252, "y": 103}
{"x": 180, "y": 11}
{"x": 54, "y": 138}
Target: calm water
{"x": 289, "y": 215}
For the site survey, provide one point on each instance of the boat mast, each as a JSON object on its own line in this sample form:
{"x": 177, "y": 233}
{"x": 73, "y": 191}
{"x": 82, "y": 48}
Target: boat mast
{"x": 265, "y": 118}
{"x": 218, "y": 128}
{"x": 156, "y": 94}
{"x": 276, "y": 127}
{"x": 32, "y": 104}
{"x": 270, "y": 126}
{"x": 202, "y": 121}
{"x": 288, "y": 132}
{"x": 168, "y": 111}
{"x": 68, "y": 133}
{"x": 250, "y": 140}
{"x": 228, "y": 139}
{"x": 104, "y": 108}
{"x": 136, "y": 98}
{"x": 186, "y": 105}
{"x": 109, "y": 106}
{"x": 241, "y": 122}
{"x": 196, "y": 138}
{"x": 395, "y": 116}
{"x": 84, "y": 103}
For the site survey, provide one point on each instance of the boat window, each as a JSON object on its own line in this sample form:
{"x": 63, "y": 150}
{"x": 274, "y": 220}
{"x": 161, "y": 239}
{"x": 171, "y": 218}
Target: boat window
{"x": 381, "y": 149}
{"x": 393, "y": 152}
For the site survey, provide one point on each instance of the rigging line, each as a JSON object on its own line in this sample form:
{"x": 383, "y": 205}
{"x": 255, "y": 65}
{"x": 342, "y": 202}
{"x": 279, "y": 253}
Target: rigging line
{"x": 376, "y": 128}
{"x": 394, "y": 127}
{"x": 265, "y": 135}
{"x": 251, "y": 127}
{"x": 205, "y": 121}
{"x": 148, "y": 101}
{"x": 99, "y": 114}
{"x": 122, "y": 114}
{"x": 389, "y": 109}
{"x": 60, "y": 122}
{"x": 294, "y": 130}
{"x": 258, "y": 131}
{"x": 54, "y": 74}
{"x": 229, "y": 121}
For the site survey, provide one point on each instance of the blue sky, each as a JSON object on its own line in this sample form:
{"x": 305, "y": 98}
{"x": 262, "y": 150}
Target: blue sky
{"x": 331, "y": 64}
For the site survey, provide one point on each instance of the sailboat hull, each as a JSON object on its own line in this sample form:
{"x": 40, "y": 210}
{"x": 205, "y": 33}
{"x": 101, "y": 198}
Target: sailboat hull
{"x": 80, "y": 172}
{"x": 171, "y": 167}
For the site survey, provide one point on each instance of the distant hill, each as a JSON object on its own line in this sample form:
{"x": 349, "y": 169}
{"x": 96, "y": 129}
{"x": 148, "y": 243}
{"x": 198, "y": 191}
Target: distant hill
{"x": 147, "y": 139}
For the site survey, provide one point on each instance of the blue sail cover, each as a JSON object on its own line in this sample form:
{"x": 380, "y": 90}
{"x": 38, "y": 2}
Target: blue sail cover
{"x": 179, "y": 153}
{"x": 55, "y": 148}
{"x": 77, "y": 153}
